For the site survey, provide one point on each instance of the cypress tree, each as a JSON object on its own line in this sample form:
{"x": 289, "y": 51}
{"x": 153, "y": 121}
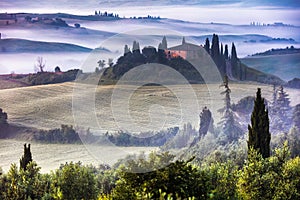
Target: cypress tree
{"x": 221, "y": 50}
{"x": 206, "y": 122}
{"x": 136, "y": 47}
{"x": 233, "y": 53}
{"x": 226, "y": 52}
{"x": 26, "y": 158}
{"x": 215, "y": 51}
{"x": 183, "y": 40}
{"x": 259, "y": 135}
{"x": 126, "y": 49}
{"x": 164, "y": 43}
{"x": 236, "y": 69}
{"x": 207, "y": 45}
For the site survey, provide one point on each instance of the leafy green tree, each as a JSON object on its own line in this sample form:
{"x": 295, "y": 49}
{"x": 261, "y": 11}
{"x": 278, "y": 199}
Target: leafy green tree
{"x": 289, "y": 186}
{"x": 23, "y": 184}
{"x": 270, "y": 178}
{"x": 159, "y": 175}
{"x": 253, "y": 181}
{"x": 259, "y": 135}
{"x": 26, "y": 158}
{"x": 223, "y": 180}
{"x": 74, "y": 181}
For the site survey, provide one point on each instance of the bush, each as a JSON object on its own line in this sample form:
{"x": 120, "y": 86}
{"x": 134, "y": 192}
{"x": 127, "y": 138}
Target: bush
{"x": 42, "y": 78}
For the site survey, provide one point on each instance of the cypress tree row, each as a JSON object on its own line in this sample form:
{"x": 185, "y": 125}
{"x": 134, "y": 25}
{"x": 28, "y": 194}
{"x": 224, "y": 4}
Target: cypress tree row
{"x": 259, "y": 135}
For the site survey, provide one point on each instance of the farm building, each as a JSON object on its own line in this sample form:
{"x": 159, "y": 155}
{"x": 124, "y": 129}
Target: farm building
{"x": 185, "y": 50}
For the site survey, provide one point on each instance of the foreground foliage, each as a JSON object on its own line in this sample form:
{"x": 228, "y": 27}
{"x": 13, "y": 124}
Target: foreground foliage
{"x": 160, "y": 176}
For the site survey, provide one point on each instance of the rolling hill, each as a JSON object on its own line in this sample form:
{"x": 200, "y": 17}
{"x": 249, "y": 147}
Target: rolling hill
{"x": 49, "y": 106}
{"x": 21, "y": 45}
{"x": 285, "y": 66}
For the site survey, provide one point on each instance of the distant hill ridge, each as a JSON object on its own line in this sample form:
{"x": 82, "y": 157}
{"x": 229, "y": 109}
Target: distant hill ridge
{"x": 287, "y": 50}
{"x": 20, "y": 45}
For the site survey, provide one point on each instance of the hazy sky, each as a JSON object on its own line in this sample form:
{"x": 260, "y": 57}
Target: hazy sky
{"x": 222, "y": 11}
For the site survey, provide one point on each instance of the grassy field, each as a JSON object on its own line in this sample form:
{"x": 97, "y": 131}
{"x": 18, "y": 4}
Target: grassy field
{"x": 50, "y": 156}
{"x": 49, "y": 106}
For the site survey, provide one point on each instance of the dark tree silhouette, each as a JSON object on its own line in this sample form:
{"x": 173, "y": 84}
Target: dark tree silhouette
{"x": 26, "y": 158}
{"x": 126, "y": 49}
{"x": 164, "y": 43}
{"x": 226, "y": 56}
{"x": 3, "y": 117}
{"x": 136, "y": 47}
{"x": 57, "y": 69}
{"x": 221, "y": 52}
{"x": 207, "y": 45}
{"x": 206, "y": 122}
{"x": 215, "y": 50}
{"x": 259, "y": 135}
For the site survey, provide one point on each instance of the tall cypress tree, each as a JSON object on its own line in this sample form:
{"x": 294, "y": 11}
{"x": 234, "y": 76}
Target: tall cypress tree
{"x": 215, "y": 50}
{"x": 26, "y": 158}
{"x": 259, "y": 135}
{"x": 226, "y": 52}
{"x": 126, "y": 49}
{"x": 164, "y": 43}
{"x": 207, "y": 45}
{"x": 221, "y": 50}
{"x": 206, "y": 122}
{"x": 236, "y": 67}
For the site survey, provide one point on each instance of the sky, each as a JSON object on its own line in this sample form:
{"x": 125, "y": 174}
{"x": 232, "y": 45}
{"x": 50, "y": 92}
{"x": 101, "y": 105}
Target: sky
{"x": 218, "y": 11}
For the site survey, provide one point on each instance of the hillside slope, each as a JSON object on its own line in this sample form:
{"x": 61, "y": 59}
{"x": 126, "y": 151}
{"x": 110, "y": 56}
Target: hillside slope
{"x": 49, "y": 106}
{"x": 286, "y": 66}
{"x": 21, "y": 45}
